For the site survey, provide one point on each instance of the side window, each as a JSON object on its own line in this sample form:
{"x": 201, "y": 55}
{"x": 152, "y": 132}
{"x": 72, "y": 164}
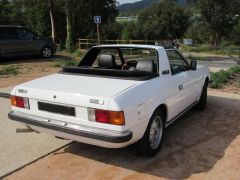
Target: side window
{"x": 1, "y": 33}
{"x": 177, "y": 62}
{"x": 24, "y": 35}
{"x": 8, "y": 33}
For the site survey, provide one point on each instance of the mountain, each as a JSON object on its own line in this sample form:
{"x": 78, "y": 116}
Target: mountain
{"x": 143, "y": 4}
{"x": 136, "y": 5}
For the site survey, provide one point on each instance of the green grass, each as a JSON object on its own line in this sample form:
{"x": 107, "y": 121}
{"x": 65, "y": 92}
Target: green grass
{"x": 238, "y": 83}
{"x": 63, "y": 63}
{"x": 191, "y": 57}
{"x": 220, "y": 78}
{"x": 9, "y": 70}
{"x": 224, "y": 50}
{"x": 74, "y": 54}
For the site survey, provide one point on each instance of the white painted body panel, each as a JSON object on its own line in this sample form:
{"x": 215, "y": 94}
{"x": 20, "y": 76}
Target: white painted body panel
{"x": 137, "y": 99}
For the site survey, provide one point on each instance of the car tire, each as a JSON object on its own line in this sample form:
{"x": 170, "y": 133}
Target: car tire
{"x": 151, "y": 142}
{"x": 46, "y": 52}
{"x": 202, "y": 103}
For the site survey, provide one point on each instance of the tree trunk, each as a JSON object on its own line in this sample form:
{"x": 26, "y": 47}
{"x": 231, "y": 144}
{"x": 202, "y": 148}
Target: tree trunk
{"x": 215, "y": 39}
{"x": 53, "y": 21}
{"x": 70, "y": 45}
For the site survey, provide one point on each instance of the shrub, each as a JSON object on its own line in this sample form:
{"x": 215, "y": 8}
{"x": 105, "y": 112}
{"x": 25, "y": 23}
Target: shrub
{"x": 220, "y": 78}
{"x": 66, "y": 63}
{"x": 9, "y": 70}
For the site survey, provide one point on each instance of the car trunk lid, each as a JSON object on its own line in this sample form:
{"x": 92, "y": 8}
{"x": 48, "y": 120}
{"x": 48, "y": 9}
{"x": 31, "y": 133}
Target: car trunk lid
{"x": 74, "y": 90}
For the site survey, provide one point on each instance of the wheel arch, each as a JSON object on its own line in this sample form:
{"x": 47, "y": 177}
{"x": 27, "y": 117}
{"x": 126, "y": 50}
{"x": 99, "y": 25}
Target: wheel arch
{"x": 207, "y": 79}
{"x": 46, "y": 45}
{"x": 164, "y": 109}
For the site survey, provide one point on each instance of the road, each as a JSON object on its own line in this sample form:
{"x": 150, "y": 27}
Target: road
{"x": 201, "y": 145}
{"x": 214, "y": 62}
{"x": 17, "y": 150}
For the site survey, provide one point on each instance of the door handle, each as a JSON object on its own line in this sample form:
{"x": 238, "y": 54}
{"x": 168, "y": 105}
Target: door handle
{"x": 180, "y": 87}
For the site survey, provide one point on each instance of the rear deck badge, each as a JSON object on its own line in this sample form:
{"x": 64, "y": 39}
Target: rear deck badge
{"x": 96, "y": 101}
{"x": 22, "y": 91}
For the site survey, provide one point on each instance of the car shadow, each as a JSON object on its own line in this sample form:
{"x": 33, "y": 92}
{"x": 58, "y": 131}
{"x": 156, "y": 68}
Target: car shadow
{"x": 194, "y": 144}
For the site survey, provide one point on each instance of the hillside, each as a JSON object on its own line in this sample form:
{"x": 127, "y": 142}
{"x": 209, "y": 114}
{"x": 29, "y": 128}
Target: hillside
{"x": 143, "y": 4}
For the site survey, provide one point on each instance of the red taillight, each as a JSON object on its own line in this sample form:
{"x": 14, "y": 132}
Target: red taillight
{"x": 107, "y": 117}
{"x": 20, "y": 102}
{"x": 101, "y": 116}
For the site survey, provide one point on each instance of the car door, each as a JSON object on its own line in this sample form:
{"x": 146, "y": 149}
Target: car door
{"x": 29, "y": 41}
{"x": 184, "y": 81}
{"x": 9, "y": 44}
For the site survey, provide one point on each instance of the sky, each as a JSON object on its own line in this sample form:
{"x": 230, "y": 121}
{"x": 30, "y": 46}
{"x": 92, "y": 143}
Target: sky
{"x": 127, "y": 1}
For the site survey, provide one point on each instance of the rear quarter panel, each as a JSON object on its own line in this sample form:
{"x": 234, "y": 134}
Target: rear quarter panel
{"x": 139, "y": 103}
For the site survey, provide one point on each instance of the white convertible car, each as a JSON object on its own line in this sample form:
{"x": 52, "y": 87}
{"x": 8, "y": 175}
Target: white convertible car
{"x": 117, "y": 95}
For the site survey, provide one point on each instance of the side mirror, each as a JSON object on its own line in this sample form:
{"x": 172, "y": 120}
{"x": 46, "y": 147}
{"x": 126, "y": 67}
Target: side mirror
{"x": 193, "y": 65}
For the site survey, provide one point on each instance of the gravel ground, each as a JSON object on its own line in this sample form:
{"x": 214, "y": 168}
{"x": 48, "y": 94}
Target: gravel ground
{"x": 17, "y": 150}
{"x": 201, "y": 145}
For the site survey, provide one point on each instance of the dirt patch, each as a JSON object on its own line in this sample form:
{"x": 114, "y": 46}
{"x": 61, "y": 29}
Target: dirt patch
{"x": 28, "y": 71}
{"x": 233, "y": 84}
{"x": 200, "y": 145}
{"x": 32, "y": 68}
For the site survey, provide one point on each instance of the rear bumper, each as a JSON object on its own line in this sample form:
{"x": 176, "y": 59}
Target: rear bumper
{"x": 71, "y": 129}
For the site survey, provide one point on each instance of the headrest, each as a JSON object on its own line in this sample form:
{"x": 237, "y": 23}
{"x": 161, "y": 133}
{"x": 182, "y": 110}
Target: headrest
{"x": 107, "y": 61}
{"x": 145, "y": 65}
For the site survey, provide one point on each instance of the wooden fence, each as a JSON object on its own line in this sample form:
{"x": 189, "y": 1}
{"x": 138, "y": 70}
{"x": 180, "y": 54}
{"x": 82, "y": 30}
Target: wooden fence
{"x": 84, "y": 44}
{"x": 88, "y": 43}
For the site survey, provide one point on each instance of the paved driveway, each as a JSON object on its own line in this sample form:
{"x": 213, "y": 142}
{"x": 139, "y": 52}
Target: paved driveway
{"x": 17, "y": 150}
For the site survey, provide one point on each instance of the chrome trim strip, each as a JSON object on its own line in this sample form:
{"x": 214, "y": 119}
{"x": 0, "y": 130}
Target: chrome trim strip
{"x": 181, "y": 114}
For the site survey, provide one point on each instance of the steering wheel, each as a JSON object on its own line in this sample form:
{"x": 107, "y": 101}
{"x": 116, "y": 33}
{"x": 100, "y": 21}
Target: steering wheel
{"x": 132, "y": 63}
{"x": 132, "y": 69}
{"x": 125, "y": 66}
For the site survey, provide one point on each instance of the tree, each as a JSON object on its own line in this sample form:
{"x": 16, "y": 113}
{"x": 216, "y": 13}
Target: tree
{"x": 85, "y": 27}
{"x": 53, "y": 20}
{"x": 64, "y": 20}
{"x": 9, "y": 13}
{"x": 165, "y": 20}
{"x": 198, "y": 31}
{"x": 34, "y": 15}
{"x": 219, "y": 16}
{"x": 192, "y": 2}
{"x": 70, "y": 40}
{"x": 111, "y": 30}
{"x": 125, "y": 36}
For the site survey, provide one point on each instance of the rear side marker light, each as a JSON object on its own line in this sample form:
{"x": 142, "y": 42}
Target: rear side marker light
{"x": 106, "y": 117}
{"x": 20, "y": 102}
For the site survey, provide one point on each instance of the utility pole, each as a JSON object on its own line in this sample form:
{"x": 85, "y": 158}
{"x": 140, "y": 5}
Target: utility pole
{"x": 98, "y": 21}
{"x": 98, "y": 34}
